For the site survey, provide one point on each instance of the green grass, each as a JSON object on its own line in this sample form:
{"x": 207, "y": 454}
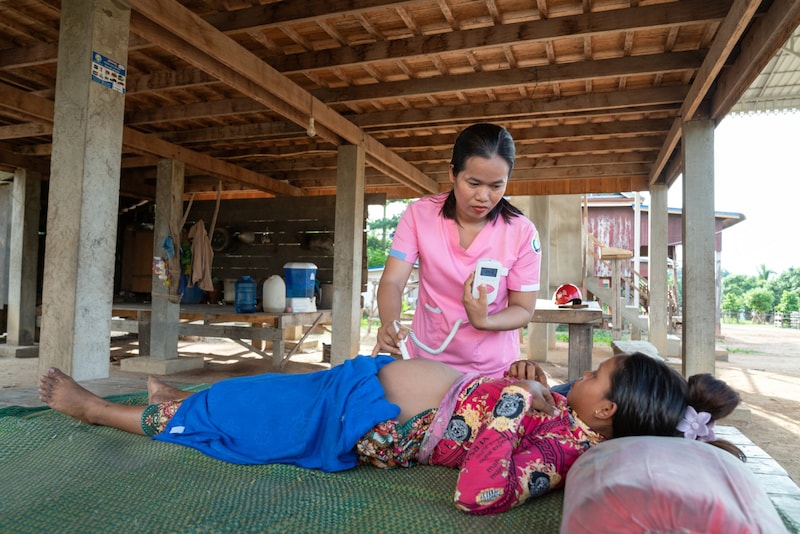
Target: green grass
{"x": 742, "y": 351}
{"x": 600, "y": 336}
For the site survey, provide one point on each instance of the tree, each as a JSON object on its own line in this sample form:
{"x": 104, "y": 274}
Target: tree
{"x": 732, "y": 305}
{"x": 738, "y": 284}
{"x": 786, "y": 281}
{"x": 784, "y": 288}
{"x": 763, "y": 272}
{"x": 790, "y": 302}
{"x": 377, "y": 251}
{"x": 759, "y": 301}
{"x": 379, "y": 235}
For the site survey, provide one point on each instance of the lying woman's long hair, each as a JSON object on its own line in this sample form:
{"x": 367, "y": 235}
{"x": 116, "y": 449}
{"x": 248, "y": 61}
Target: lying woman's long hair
{"x": 652, "y": 398}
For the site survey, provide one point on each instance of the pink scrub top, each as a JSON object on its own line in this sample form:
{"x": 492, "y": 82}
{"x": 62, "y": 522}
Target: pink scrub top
{"x": 424, "y": 235}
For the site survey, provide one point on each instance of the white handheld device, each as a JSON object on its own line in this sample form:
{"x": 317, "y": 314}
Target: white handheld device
{"x": 488, "y": 273}
{"x": 403, "y": 348}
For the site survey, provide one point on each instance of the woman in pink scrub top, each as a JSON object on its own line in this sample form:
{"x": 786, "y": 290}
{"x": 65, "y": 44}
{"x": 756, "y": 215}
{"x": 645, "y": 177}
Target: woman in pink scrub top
{"x": 447, "y": 234}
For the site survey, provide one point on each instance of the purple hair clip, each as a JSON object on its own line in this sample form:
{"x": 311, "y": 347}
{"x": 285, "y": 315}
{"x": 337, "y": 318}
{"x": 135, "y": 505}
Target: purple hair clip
{"x": 697, "y": 425}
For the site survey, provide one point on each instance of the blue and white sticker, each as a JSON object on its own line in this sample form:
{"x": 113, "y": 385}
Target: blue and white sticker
{"x": 108, "y": 72}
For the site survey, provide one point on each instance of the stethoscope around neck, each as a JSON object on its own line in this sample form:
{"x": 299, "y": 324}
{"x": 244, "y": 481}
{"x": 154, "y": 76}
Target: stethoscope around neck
{"x": 420, "y": 344}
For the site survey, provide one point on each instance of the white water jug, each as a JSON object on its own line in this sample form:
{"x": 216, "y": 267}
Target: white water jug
{"x": 274, "y": 295}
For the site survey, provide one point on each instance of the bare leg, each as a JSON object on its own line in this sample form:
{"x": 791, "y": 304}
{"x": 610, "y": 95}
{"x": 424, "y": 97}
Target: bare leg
{"x": 158, "y": 391}
{"x": 60, "y": 392}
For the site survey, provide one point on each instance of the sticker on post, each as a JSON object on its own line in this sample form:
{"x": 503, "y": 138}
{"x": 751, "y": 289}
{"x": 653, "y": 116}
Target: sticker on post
{"x": 108, "y": 72}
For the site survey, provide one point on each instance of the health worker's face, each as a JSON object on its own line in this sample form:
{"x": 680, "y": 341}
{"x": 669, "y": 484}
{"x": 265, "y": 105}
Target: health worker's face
{"x": 479, "y": 187}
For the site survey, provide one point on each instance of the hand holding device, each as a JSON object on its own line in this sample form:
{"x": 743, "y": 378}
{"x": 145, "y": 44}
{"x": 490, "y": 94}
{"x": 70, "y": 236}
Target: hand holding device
{"x": 488, "y": 273}
{"x": 403, "y": 348}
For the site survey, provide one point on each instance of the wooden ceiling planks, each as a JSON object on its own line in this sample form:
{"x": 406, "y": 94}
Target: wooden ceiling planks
{"x": 594, "y": 91}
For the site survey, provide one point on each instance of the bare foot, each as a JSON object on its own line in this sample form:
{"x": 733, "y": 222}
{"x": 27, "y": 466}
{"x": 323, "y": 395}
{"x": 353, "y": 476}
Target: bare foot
{"x": 158, "y": 391}
{"x": 60, "y": 392}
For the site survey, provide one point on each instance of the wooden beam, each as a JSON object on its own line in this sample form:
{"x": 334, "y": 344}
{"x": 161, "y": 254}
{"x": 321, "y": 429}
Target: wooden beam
{"x": 33, "y": 107}
{"x": 200, "y": 110}
{"x": 43, "y": 110}
{"x": 281, "y": 13}
{"x": 262, "y": 130}
{"x": 561, "y": 148}
{"x": 532, "y": 76}
{"x": 517, "y": 34}
{"x": 11, "y": 160}
{"x": 325, "y": 168}
{"x": 727, "y": 37}
{"x": 613, "y": 101}
{"x": 592, "y": 104}
{"x": 200, "y": 58}
{"x": 235, "y": 22}
{"x": 207, "y": 39}
{"x": 21, "y": 57}
{"x": 585, "y": 25}
{"x": 572, "y": 132}
{"x": 327, "y": 178}
{"x": 29, "y": 129}
{"x": 152, "y": 145}
{"x": 534, "y": 187}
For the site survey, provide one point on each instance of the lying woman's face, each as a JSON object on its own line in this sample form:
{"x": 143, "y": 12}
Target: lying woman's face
{"x": 589, "y": 393}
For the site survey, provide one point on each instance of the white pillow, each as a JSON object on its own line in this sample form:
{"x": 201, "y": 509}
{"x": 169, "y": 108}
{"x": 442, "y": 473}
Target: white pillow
{"x": 658, "y": 484}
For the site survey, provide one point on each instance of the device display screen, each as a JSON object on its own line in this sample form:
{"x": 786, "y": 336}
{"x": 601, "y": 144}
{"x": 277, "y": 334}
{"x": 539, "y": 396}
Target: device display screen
{"x": 488, "y": 271}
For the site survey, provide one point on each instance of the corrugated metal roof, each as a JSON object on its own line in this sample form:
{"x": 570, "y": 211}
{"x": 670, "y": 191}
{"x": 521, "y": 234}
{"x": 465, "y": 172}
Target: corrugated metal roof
{"x": 777, "y": 88}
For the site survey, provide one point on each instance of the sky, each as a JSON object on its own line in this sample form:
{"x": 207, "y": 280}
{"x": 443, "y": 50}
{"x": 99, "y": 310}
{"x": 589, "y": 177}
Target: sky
{"x": 757, "y": 173}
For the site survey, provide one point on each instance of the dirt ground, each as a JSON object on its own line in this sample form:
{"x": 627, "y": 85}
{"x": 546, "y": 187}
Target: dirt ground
{"x": 763, "y": 364}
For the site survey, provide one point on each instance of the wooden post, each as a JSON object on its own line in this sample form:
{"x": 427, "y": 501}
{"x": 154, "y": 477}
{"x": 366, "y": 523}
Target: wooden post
{"x": 348, "y": 252}
{"x": 615, "y": 255}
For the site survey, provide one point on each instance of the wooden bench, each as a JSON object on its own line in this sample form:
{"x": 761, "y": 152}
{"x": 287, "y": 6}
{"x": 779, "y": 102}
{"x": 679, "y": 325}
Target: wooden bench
{"x": 776, "y": 482}
{"x": 223, "y": 322}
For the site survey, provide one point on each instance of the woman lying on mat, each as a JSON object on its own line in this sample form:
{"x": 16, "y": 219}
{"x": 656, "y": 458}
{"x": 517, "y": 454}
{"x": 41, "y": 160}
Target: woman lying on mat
{"x": 511, "y": 439}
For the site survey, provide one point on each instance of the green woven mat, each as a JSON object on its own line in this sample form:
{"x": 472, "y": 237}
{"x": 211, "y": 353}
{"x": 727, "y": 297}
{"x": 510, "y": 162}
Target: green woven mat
{"x": 59, "y": 475}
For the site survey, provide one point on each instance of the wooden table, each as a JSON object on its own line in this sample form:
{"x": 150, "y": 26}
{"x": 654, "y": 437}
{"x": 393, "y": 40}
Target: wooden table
{"x": 217, "y": 322}
{"x": 581, "y": 322}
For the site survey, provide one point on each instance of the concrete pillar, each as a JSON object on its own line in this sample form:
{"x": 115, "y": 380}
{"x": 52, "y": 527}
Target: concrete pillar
{"x": 23, "y": 266}
{"x": 539, "y": 334}
{"x": 165, "y": 300}
{"x": 348, "y": 253}
{"x": 165, "y": 308}
{"x": 5, "y": 243}
{"x": 84, "y": 189}
{"x": 657, "y": 253}
{"x": 699, "y": 294}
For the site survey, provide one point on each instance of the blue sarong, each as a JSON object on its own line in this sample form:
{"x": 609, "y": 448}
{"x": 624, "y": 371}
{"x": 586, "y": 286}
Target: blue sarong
{"x": 309, "y": 420}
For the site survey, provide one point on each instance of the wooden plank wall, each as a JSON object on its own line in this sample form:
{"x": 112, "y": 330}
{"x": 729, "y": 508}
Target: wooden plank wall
{"x": 286, "y": 229}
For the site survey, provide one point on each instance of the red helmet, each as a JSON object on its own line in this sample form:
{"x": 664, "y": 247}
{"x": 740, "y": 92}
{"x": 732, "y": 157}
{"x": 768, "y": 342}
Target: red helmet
{"x": 567, "y": 294}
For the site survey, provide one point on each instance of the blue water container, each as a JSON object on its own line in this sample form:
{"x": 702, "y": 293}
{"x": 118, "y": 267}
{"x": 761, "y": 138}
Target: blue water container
{"x": 245, "y": 301}
{"x": 189, "y": 294}
{"x": 300, "y": 279}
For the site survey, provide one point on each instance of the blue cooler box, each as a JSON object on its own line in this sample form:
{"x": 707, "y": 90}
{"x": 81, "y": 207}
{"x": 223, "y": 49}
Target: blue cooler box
{"x": 300, "y": 279}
